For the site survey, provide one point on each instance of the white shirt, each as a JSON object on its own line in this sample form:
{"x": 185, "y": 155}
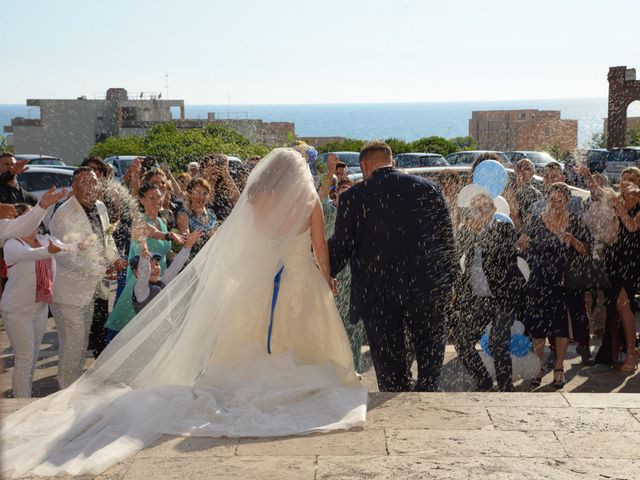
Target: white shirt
{"x": 20, "y": 257}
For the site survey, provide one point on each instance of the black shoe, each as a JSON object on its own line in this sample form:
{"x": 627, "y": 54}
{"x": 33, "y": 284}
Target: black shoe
{"x": 537, "y": 381}
{"x": 558, "y": 378}
{"x": 585, "y": 353}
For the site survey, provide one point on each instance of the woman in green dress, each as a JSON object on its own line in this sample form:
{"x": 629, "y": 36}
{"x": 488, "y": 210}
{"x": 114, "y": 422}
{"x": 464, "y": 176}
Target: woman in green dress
{"x": 157, "y": 239}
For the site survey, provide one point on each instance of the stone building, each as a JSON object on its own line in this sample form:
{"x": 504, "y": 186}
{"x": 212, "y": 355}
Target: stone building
{"x": 632, "y": 123}
{"x": 523, "y": 130}
{"x": 70, "y": 128}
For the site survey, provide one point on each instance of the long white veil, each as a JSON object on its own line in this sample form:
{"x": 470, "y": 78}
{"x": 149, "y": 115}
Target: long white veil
{"x": 141, "y": 377}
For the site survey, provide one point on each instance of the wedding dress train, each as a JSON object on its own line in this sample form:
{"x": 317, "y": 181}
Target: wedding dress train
{"x": 196, "y": 362}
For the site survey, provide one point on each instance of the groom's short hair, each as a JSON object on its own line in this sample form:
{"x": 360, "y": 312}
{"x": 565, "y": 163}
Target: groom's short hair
{"x": 373, "y": 147}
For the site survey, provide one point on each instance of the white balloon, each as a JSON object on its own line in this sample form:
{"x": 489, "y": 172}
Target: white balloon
{"x": 488, "y": 364}
{"x": 517, "y": 367}
{"x": 531, "y": 366}
{"x": 468, "y": 192}
{"x": 517, "y": 328}
{"x": 502, "y": 206}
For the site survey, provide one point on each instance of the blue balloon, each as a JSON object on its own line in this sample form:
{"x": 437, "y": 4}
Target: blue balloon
{"x": 484, "y": 344}
{"x": 491, "y": 175}
{"x": 520, "y": 345}
{"x": 501, "y": 217}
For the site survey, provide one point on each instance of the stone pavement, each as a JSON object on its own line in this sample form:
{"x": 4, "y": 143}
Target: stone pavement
{"x": 423, "y": 436}
{"x": 454, "y": 435}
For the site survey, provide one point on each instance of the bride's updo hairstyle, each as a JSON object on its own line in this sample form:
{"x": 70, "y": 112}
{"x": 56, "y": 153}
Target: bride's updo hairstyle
{"x": 279, "y": 171}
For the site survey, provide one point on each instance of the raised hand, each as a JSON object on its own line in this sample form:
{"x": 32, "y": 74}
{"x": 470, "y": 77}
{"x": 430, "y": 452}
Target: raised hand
{"x": 51, "y": 197}
{"x": 179, "y": 239}
{"x": 192, "y": 238}
{"x": 332, "y": 161}
{"x": 7, "y": 211}
{"x": 19, "y": 167}
{"x": 53, "y": 248}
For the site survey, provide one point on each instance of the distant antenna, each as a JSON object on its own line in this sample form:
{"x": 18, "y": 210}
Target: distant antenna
{"x": 166, "y": 84}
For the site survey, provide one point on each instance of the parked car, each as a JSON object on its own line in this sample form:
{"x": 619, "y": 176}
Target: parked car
{"x": 596, "y": 159}
{"x": 539, "y": 159}
{"x": 467, "y": 157}
{"x": 412, "y": 160}
{"x": 120, "y": 164}
{"x": 38, "y": 179}
{"x": 619, "y": 159}
{"x": 41, "y": 160}
{"x": 351, "y": 159}
{"x": 465, "y": 170}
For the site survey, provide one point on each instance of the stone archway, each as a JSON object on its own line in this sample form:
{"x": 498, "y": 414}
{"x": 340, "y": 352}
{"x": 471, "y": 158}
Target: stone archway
{"x": 623, "y": 90}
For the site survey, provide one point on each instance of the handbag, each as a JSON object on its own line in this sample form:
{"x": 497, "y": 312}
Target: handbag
{"x": 584, "y": 273}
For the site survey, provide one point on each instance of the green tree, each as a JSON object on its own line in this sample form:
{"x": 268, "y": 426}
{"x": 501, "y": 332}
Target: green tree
{"x": 398, "y": 145}
{"x": 178, "y": 147}
{"x": 3, "y": 143}
{"x": 633, "y": 137}
{"x": 598, "y": 140}
{"x": 346, "y": 145}
{"x": 465, "y": 143}
{"x": 434, "y": 145}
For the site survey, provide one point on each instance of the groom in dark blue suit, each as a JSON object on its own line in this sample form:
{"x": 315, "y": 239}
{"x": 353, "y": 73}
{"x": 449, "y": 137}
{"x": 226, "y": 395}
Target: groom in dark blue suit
{"x": 395, "y": 231}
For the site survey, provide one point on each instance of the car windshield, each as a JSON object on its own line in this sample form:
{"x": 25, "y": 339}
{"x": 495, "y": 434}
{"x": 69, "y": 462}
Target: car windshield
{"x": 624, "y": 155}
{"x": 598, "y": 156}
{"x": 125, "y": 164}
{"x": 539, "y": 157}
{"x": 351, "y": 159}
{"x": 408, "y": 161}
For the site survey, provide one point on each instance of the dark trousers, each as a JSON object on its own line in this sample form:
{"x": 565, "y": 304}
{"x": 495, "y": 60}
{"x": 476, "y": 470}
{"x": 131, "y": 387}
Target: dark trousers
{"x": 98, "y": 336}
{"x": 385, "y": 328}
{"x": 475, "y": 314}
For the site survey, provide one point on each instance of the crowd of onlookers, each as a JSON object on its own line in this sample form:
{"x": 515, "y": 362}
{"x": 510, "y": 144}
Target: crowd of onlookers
{"x": 95, "y": 256}
{"x": 580, "y": 254}
{"x": 107, "y": 248}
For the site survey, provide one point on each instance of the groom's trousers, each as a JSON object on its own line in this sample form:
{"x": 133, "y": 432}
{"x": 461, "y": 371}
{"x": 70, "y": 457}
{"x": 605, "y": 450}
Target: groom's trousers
{"x": 385, "y": 327}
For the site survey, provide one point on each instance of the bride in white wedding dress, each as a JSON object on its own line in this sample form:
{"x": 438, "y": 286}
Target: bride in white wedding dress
{"x": 224, "y": 350}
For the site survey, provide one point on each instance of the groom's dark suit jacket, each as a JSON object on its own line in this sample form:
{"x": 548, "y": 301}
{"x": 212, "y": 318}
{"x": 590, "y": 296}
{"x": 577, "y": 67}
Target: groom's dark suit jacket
{"x": 395, "y": 231}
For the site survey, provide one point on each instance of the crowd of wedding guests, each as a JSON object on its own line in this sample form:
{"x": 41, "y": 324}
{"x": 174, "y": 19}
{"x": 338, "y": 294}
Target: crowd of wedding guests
{"x": 95, "y": 256}
{"x": 579, "y": 254}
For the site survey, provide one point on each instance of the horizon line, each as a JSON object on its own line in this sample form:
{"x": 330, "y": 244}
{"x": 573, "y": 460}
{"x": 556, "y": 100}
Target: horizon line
{"x": 356, "y": 103}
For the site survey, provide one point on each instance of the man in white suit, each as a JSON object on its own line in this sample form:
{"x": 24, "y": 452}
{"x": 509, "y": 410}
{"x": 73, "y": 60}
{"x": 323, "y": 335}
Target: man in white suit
{"x": 82, "y": 218}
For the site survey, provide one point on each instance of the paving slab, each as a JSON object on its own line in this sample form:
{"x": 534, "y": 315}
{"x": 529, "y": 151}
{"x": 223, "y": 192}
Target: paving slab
{"x": 223, "y": 468}
{"x": 428, "y": 417}
{"x": 169, "y": 446}
{"x": 117, "y": 472}
{"x": 563, "y": 419}
{"x": 601, "y": 444}
{"x": 491, "y": 399}
{"x": 364, "y": 442}
{"x": 485, "y": 468}
{"x": 602, "y": 400}
{"x": 468, "y": 443}
{"x": 15, "y": 404}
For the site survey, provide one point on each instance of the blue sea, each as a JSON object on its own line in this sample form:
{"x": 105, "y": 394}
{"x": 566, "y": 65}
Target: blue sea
{"x": 407, "y": 121}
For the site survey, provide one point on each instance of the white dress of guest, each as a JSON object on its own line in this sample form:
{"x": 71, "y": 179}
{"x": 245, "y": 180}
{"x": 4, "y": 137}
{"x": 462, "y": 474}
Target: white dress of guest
{"x": 25, "y": 304}
{"x": 76, "y": 282}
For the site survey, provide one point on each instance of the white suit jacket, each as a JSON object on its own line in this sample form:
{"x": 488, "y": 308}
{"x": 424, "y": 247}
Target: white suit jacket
{"x": 78, "y": 273}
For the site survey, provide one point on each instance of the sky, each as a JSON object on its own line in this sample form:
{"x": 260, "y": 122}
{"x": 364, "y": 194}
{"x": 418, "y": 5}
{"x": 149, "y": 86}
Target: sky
{"x": 329, "y": 51}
